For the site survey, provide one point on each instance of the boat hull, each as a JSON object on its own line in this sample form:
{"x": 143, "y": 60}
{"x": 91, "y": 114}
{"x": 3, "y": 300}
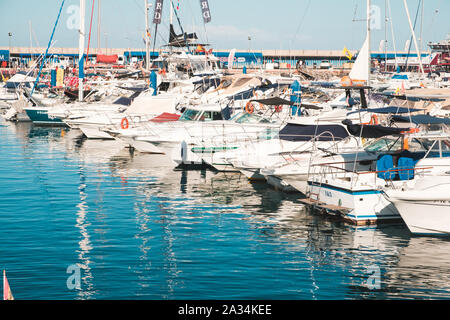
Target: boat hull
{"x": 41, "y": 116}
{"x": 360, "y": 207}
{"x": 426, "y": 217}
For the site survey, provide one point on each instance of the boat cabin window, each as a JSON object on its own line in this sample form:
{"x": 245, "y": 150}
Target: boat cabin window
{"x": 210, "y": 116}
{"x": 189, "y": 115}
{"x": 217, "y": 116}
{"x": 160, "y": 64}
{"x": 434, "y": 145}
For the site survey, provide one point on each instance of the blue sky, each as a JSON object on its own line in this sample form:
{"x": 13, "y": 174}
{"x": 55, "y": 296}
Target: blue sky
{"x": 279, "y": 24}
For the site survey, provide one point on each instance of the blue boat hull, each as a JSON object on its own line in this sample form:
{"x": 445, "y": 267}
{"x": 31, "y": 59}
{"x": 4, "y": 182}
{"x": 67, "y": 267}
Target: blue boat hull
{"x": 40, "y": 116}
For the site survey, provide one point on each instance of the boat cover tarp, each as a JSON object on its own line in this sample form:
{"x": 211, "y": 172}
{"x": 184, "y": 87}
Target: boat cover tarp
{"x": 400, "y": 77}
{"x": 301, "y": 132}
{"x": 249, "y": 93}
{"x": 226, "y": 113}
{"x": 275, "y": 101}
{"x": 244, "y": 95}
{"x": 208, "y": 81}
{"x": 388, "y": 110}
{"x": 135, "y": 89}
{"x": 371, "y": 131}
{"x": 386, "y": 168}
{"x": 166, "y": 117}
{"x": 422, "y": 119}
{"x": 103, "y": 58}
{"x": 127, "y": 101}
{"x": 19, "y": 78}
{"x": 413, "y": 98}
{"x": 310, "y": 106}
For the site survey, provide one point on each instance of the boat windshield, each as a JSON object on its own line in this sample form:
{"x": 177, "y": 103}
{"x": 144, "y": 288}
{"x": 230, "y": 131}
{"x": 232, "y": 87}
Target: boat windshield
{"x": 248, "y": 118}
{"x": 210, "y": 116}
{"x": 189, "y": 115}
{"x": 160, "y": 64}
{"x": 384, "y": 144}
{"x": 436, "y": 146}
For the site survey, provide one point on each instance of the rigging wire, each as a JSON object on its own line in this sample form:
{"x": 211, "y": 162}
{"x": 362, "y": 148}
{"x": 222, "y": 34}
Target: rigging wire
{"x": 302, "y": 20}
{"x": 411, "y": 38}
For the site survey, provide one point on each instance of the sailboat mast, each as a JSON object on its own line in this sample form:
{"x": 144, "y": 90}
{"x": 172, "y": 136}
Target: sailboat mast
{"x": 147, "y": 42}
{"x": 419, "y": 56}
{"x": 171, "y": 13}
{"x": 81, "y": 50}
{"x": 98, "y": 26}
{"x": 368, "y": 41}
{"x": 31, "y": 41}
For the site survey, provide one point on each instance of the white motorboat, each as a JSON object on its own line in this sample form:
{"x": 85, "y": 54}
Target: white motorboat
{"x": 425, "y": 206}
{"x": 360, "y": 196}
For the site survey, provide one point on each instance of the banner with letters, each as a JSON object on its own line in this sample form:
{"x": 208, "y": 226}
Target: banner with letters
{"x": 206, "y": 13}
{"x": 158, "y": 11}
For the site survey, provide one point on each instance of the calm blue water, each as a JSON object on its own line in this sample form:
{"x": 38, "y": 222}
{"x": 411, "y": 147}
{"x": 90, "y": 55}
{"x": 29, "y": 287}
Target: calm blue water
{"x": 138, "y": 229}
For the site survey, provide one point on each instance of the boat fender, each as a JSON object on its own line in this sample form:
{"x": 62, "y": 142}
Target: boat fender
{"x": 124, "y": 124}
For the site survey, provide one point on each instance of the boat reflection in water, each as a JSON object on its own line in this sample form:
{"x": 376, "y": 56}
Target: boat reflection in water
{"x": 144, "y": 230}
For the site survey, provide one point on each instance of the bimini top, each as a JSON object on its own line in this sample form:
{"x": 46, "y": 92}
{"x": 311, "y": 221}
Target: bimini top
{"x": 388, "y": 110}
{"x": 275, "y": 101}
{"x": 302, "y": 132}
{"x": 414, "y": 98}
{"x": 371, "y": 131}
{"x": 422, "y": 119}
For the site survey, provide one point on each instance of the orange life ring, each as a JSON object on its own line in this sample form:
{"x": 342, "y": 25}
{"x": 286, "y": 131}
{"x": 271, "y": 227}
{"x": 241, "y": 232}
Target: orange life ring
{"x": 279, "y": 108}
{"x": 373, "y": 120}
{"x": 124, "y": 124}
{"x": 249, "y": 108}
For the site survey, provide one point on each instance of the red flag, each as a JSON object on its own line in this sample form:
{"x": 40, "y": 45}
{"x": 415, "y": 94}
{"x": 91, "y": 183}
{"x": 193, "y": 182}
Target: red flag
{"x": 7, "y": 294}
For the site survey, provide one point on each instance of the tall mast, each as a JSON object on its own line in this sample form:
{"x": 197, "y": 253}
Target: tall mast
{"x": 147, "y": 42}
{"x": 392, "y": 33}
{"x": 99, "y": 37}
{"x": 31, "y": 41}
{"x": 368, "y": 41}
{"x": 81, "y": 50}
{"x": 171, "y": 13}
{"x": 419, "y": 56}
{"x": 385, "y": 34}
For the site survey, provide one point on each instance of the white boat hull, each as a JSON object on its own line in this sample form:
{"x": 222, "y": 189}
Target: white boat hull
{"x": 93, "y": 132}
{"x": 360, "y": 207}
{"x": 426, "y": 217}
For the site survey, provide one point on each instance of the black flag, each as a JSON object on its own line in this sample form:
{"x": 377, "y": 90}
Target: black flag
{"x": 205, "y": 11}
{"x": 158, "y": 12}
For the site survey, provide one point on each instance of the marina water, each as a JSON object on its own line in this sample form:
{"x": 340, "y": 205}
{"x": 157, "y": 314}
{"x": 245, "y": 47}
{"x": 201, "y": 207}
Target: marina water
{"x": 138, "y": 229}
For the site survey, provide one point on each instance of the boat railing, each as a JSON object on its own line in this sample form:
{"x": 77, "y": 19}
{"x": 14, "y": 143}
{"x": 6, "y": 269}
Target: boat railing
{"x": 241, "y": 137}
{"x": 309, "y": 146}
{"x": 332, "y": 171}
